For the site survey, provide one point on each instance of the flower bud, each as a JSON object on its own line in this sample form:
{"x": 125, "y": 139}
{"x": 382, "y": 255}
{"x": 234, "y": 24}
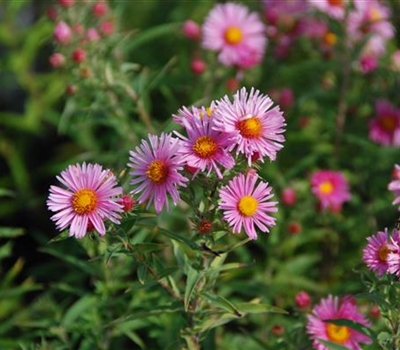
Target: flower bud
{"x": 197, "y": 66}
{"x": 302, "y": 300}
{"x": 62, "y": 33}
{"x": 191, "y": 30}
{"x": 79, "y": 55}
{"x": 127, "y": 203}
{"x": 99, "y": 9}
{"x": 289, "y": 196}
{"x": 57, "y": 60}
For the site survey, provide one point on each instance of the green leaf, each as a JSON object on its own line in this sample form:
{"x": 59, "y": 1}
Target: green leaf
{"x": 255, "y": 308}
{"x": 6, "y": 193}
{"x": 142, "y": 272}
{"x": 78, "y": 309}
{"x": 193, "y": 278}
{"x": 11, "y": 232}
{"x": 353, "y": 325}
{"x": 144, "y": 248}
{"x": 221, "y": 303}
{"x": 178, "y": 238}
{"x": 332, "y": 346}
{"x": 213, "y": 322}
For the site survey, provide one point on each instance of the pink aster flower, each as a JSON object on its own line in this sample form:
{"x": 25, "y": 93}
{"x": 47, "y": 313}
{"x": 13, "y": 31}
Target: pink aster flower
{"x": 385, "y": 127}
{"x": 245, "y": 205}
{"x": 394, "y": 185}
{"x": 155, "y": 170}
{"x": 252, "y": 127}
{"x": 331, "y": 308}
{"x": 331, "y": 188}
{"x": 89, "y": 198}
{"x": 393, "y": 258}
{"x": 204, "y": 148}
{"x": 376, "y": 252}
{"x": 333, "y": 8}
{"x": 237, "y": 34}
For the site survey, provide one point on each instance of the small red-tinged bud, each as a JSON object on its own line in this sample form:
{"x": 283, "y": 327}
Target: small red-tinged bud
{"x": 78, "y": 29}
{"x": 100, "y": 8}
{"x": 71, "y": 90}
{"x": 197, "y": 66}
{"x": 251, "y": 172}
{"x": 62, "y": 33}
{"x": 205, "y": 226}
{"x": 191, "y": 30}
{"x": 368, "y": 63}
{"x": 286, "y": 98}
{"x": 57, "y": 60}
{"x": 79, "y": 55}
{"x": 278, "y": 330}
{"x": 51, "y": 13}
{"x": 294, "y": 228}
{"x": 304, "y": 121}
{"x": 375, "y": 312}
{"x": 127, "y": 203}
{"x": 289, "y": 196}
{"x": 66, "y": 3}
{"x": 191, "y": 169}
{"x": 256, "y": 156}
{"x": 348, "y": 298}
{"x": 90, "y": 226}
{"x": 396, "y": 172}
{"x": 302, "y": 300}
{"x": 232, "y": 84}
{"x": 92, "y": 35}
{"x": 106, "y": 28}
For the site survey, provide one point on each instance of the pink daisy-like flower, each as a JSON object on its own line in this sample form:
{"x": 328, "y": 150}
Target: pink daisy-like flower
{"x": 376, "y": 252}
{"x": 331, "y": 188}
{"x": 252, "y": 127}
{"x": 332, "y": 308}
{"x": 393, "y": 258}
{"x": 155, "y": 169}
{"x": 333, "y": 8}
{"x": 90, "y": 197}
{"x": 237, "y": 34}
{"x": 385, "y": 127}
{"x": 394, "y": 185}
{"x": 247, "y": 206}
{"x": 205, "y": 148}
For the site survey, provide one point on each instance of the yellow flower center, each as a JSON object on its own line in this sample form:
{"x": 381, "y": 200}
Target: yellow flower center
{"x": 337, "y": 3}
{"x": 383, "y": 252}
{"x": 233, "y": 35}
{"x": 326, "y": 187}
{"x": 330, "y": 39}
{"x": 337, "y": 334}
{"x": 84, "y": 201}
{"x": 247, "y": 206}
{"x": 375, "y": 15}
{"x": 157, "y": 171}
{"x": 388, "y": 122}
{"x": 250, "y": 128}
{"x": 205, "y": 147}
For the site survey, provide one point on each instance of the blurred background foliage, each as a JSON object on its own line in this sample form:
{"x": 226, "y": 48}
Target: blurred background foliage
{"x": 57, "y": 295}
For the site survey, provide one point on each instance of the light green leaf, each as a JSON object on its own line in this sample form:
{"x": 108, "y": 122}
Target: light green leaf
{"x": 255, "y": 308}
{"x": 193, "y": 278}
{"x": 332, "y": 346}
{"x": 78, "y": 309}
{"x": 141, "y": 273}
{"x": 221, "y": 303}
{"x": 11, "y": 232}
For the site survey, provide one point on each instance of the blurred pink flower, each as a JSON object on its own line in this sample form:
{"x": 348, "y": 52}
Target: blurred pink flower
{"x": 394, "y": 185}
{"x": 250, "y": 123}
{"x": 191, "y": 30}
{"x": 156, "y": 170}
{"x": 393, "y": 258}
{"x": 62, "y": 33}
{"x": 57, "y": 60}
{"x": 368, "y": 63}
{"x": 89, "y": 198}
{"x": 376, "y": 252}
{"x": 197, "y": 66}
{"x": 302, "y": 300}
{"x": 93, "y": 35}
{"x": 331, "y": 188}
{"x": 331, "y": 308}
{"x": 289, "y": 196}
{"x": 246, "y": 206}
{"x": 385, "y": 127}
{"x": 205, "y": 148}
{"x": 236, "y": 34}
{"x": 333, "y": 8}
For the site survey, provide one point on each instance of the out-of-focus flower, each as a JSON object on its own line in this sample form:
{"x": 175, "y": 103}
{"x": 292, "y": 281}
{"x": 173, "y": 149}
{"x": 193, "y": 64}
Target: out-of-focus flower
{"x": 333, "y": 8}
{"x": 127, "y": 203}
{"x": 100, "y": 8}
{"x": 376, "y": 252}
{"x": 384, "y": 128}
{"x": 331, "y": 188}
{"x": 79, "y": 55}
{"x": 393, "y": 258}
{"x": 156, "y": 167}
{"x": 236, "y": 34}
{"x": 332, "y": 308}
{"x": 368, "y": 63}
{"x": 92, "y": 35}
{"x": 302, "y": 300}
{"x": 57, "y": 60}
{"x": 62, "y": 33}
{"x": 89, "y": 198}
{"x": 246, "y": 206}
{"x": 66, "y": 3}
{"x": 289, "y": 196}
{"x": 191, "y": 30}
{"x": 107, "y": 27}
{"x": 395, "y": 61}
{"x": 252, "y": 127}
{"x": 294, "y": 228}
{"x": 205, "y": 148}
{"x": 197, "y": 66}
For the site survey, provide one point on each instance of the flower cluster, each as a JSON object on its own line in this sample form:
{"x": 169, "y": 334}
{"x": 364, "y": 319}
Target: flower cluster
{"x": 321, "y": 324}
{"x": 222, "y": 141}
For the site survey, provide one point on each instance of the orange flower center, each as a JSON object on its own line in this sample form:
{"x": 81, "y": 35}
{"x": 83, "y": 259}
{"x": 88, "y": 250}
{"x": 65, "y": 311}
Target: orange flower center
{"x": 337, "y": 3}
{"x": 250, "y": 128}
{"x": 205, "y": 147}
{"x": 326, "y": 187}
{"x": 247, "y": 205}
{"x": 337, "y": 334}
{"x": 233, "y": 35}
{"x": 330, "y": 39}
{"x": 157, "y": 171}
{"x": 84, "y": 201}
{"x": 375, "y": 15}
{"x": 388, "y": 122}
{"x": 383, "y": 252}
